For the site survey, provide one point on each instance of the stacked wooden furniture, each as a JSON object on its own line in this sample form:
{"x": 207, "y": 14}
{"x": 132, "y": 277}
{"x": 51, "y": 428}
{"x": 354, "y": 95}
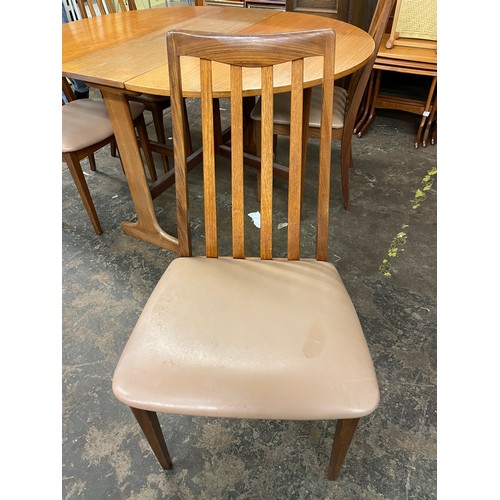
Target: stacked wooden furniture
{"x": 252, "y": 4}
{"x": 416, "y": 56}
{"x": 265, "y": 4}
{"x": 336, "y": 9}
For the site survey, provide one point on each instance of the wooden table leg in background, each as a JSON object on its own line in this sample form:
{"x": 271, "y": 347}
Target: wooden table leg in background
{"x": 430, "y": 123}
{"x": 146, "y": 228}
{"x": 434, "y": 132}
{"x": 426, "y": 113}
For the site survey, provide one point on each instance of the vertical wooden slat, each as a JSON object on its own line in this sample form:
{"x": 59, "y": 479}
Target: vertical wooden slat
{"x": 178, "y": 126}
{"x": 81, "y": 6}
{"x": 306, "y": 106}
{"x": 238, "y": 217}
{"x": 266, "y": 197}
{"x": 91, "y": 7}
{"x": 209, "y": 191}
{"x": 123, "y": 6}
{"x": 102, "y": 9}
{"x": 110, "y": 7}
{"x": 325, "y": 149}
{"x": 295, "y": 161}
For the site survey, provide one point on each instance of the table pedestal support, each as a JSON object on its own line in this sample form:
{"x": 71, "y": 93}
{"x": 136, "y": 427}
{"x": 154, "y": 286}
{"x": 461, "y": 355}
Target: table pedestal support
{"x": 146, "y": 227}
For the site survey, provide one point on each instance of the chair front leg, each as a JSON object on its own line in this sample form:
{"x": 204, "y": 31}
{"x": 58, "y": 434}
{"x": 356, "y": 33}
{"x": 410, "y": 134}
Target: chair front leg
{"x": 344, "y": 432}
{"x": 148, "y": 421}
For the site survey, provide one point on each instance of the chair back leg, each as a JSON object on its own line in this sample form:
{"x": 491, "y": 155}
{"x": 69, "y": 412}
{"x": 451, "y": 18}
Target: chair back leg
{"x": 140, "y": 125}
{"x": 160, "y": 133}
{"x": 92, "y": 162}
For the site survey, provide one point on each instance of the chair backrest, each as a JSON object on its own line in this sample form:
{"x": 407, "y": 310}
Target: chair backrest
{"x": 263, "y": 52}
{"x": 92, "y": 8}
{"x": 359, "y": 80}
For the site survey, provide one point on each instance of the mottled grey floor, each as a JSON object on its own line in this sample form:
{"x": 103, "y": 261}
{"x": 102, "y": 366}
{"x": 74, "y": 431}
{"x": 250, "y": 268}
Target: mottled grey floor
{"x": 385, "y": 250}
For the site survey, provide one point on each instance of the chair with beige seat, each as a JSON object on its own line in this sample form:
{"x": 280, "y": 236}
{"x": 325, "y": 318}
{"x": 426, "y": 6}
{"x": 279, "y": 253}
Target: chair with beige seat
{"x": 346, "y": 105}
{"x": 250, "y": 337}
{"x": 86, "y": 128}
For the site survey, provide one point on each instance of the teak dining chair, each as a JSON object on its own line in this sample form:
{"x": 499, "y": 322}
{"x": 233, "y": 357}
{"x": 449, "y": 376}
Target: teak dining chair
{"x": 155, "y": 104}
{"x": 101, "y": 7}
{"x": 86, "y": 128}
{"x": 345, "y": 107}
{"x": 244, "y": 337}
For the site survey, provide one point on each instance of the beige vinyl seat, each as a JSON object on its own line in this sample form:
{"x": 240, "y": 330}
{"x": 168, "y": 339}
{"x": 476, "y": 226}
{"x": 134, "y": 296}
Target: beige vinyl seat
{"x": 86, "y": 128}
{"x": 346, "y": 105}
{"x": 240, "y": 336}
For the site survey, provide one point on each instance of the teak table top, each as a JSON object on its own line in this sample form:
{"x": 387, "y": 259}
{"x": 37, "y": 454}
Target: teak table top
{"x": 128, "y": 50}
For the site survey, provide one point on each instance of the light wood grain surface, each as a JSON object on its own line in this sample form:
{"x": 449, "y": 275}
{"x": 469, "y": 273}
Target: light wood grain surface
{"x": 128, "y": 50}
{"x": 402, "y": 53}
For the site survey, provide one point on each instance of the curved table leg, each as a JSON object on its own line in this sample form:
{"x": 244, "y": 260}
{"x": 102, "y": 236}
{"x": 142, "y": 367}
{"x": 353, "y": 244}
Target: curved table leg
{"x": 146, "y": 228}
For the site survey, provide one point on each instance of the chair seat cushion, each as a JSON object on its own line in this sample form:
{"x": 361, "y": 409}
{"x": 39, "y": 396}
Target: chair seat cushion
{"x": 282, "y": 108}
{"x": 86, "y": 122}
{"x": 250, "y": 339}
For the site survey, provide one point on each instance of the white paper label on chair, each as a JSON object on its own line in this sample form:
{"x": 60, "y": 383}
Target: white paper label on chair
{"x": 255, "y": 216}
{"x": 426, "y": 113}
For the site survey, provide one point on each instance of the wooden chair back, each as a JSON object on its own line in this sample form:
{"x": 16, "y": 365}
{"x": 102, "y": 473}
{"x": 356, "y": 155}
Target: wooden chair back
{"x": 264, "y": 52}
{"x": 359, "y": 80}
{"x": 101, "y": 7}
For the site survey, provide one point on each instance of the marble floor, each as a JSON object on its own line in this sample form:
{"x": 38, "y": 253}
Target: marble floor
{"x": 385, "y": 251}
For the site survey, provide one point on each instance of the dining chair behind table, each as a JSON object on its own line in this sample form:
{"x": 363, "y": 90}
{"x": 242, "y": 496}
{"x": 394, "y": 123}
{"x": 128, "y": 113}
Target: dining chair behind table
{"x": 86, "y": 128}
{"x": 346, "y": 105}
{"x": 155, "y": 104}
{"x": 102, "y": 7}
{"x": 271, "y": 338}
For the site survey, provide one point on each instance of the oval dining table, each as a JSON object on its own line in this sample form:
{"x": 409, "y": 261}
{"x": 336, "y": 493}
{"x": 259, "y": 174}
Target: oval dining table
{"x": 125, "y": 53}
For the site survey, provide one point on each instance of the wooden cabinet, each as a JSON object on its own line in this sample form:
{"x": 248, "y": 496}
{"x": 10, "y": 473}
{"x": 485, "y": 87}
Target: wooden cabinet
{"x": 337, "y": 9}
{"x": 265, "y": 4}
{"x": 357, "y": 12}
